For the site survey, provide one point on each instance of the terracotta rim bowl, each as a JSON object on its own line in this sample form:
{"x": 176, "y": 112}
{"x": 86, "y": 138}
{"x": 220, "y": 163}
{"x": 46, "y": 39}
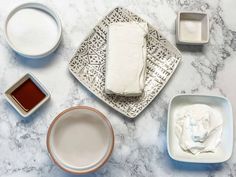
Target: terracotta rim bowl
{"x": 57, "y": 138}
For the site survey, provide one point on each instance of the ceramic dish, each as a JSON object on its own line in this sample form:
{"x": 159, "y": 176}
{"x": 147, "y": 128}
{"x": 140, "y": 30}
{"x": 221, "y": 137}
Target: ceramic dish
{"x": 23, "y": 24}
{"x": 192, "y": 28}
{"x": 21, "y": 111}
{"x": 88, "y": 64}
{"x": 224, "y": 149}
{"x": 80, "y": 140}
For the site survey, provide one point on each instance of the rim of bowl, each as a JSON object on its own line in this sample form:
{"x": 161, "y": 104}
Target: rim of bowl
{"x": 45, "y": 9}
{"x": 103, "y": 160}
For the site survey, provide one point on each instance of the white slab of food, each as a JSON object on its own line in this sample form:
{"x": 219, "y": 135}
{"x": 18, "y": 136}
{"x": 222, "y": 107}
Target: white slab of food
{"x": 88, "y": 64}
{"x": 126, "y": 59}
{"x": 222, "y": 106}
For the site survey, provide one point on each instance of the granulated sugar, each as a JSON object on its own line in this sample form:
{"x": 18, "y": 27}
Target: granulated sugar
{"x": 32, "y": 31}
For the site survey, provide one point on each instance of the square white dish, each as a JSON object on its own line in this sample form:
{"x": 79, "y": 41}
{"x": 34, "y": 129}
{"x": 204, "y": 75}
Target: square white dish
{"x": 224, "y": 149}
{"x": 88, "y": 64}
{"x": 192, "y": 28}
{"x": 17, "y": 84}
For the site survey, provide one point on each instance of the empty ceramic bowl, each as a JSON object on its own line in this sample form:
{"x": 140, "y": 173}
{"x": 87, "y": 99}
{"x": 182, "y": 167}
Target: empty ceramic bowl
{"x": 224, "y": 149}
{"x": 80, "y": 140}
{"x": 192, "y": 28}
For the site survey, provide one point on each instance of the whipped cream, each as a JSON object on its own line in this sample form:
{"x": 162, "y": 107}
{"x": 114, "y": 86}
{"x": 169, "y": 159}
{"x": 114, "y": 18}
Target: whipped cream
{"x": 198, "y": 128}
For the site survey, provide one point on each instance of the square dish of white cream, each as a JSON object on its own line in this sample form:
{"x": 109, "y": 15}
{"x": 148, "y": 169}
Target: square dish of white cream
{"x": 192, "y": 28}
{"x": 224, "y": 149}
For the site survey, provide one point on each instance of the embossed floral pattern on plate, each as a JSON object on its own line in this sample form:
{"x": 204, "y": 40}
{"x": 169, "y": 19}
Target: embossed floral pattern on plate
{"x": 88, "y": 64}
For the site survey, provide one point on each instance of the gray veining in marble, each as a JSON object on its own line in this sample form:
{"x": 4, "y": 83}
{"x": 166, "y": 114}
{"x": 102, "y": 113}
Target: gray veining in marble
{"x": 140, "y": 147}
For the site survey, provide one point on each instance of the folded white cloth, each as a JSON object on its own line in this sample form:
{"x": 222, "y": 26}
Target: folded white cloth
{"x": 126, "y": 58}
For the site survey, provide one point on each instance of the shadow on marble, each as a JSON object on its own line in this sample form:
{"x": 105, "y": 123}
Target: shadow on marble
{"x": 40, "y": 63}
{"x": 59, "y": 172}
{"x": 37, "y": 63}
{"x": 74, "y": 175}
{"x": 190, "y": 48}
{"x": 32, "y": 117}
{"x": 194, "y": 167}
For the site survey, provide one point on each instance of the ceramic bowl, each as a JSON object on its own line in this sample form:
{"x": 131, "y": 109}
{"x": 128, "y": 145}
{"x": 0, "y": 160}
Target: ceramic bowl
{"x": 192, "y": 28}
{"x": 80, "y": 140}
{"x": 8, "y": 92}
{"x": 224, "y": 149}
{"x": 32, "y": 52}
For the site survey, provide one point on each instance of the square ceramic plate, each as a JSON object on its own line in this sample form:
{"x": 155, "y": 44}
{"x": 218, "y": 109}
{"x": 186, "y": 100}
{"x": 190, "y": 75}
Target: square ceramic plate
{"x": 192, "y": 28}
{"x": 224, "y": 149}
{"x": 88, "y": 64}
{"x": 21, "y": 111}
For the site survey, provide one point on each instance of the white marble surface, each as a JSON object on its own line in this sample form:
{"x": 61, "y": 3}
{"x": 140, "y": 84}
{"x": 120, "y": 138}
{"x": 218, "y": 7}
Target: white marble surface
{"x": 140, "y": 147}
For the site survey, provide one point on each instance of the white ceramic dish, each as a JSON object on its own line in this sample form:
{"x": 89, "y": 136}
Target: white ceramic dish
{"x": 80, "y": 140}
{"x": 19, "y": 23}
{"x": 17, "y": 84}
{"x": 88, "y": 64}
{"x": 192, "y": 28}
{"x": 224, "y": 149}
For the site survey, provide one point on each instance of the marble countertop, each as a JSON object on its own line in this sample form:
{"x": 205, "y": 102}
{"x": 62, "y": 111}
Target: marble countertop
{"x": 140, "y": 144}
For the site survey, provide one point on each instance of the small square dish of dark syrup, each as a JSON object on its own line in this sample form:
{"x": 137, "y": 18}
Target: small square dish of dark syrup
{"x": 27, "y": 95}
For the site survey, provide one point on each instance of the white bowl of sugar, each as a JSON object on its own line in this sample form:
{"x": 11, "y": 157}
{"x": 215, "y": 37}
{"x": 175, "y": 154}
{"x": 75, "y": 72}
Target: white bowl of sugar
{"x": 192, "y": 28}
{"x": 33, "y": 30}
